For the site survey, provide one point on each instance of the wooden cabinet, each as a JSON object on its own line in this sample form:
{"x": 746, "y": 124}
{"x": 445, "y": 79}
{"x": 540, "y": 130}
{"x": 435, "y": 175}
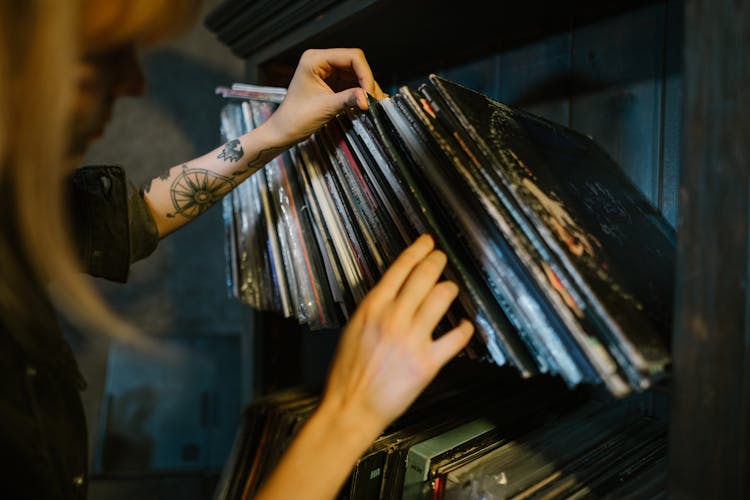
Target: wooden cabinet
{"x": 662, "y": 86}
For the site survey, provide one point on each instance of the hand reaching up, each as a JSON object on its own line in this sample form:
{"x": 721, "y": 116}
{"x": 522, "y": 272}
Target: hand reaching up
{"x": 324, "y": 83}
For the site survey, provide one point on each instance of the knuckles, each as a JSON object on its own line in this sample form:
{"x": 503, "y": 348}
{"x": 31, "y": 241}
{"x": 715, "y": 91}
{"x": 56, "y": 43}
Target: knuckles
{"x": 393, "y": 327}
{"x": 309, "y": 54}
{"x": 435, "y": 262}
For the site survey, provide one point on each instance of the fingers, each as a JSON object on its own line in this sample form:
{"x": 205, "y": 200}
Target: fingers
{"x": 450, "y": 344}
{"x": 354, "y": 97}
{"x": 399, "y": 271}
{"x": 434, "y": 306}
{"x": 420, "y": 283}
{"x": 328, "y": 63}
{"x": 346, "y": 59}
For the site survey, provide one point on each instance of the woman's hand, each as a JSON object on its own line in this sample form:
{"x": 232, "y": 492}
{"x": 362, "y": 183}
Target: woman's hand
{"x": 387, "y": 355}
{"x": 325, "y": 82}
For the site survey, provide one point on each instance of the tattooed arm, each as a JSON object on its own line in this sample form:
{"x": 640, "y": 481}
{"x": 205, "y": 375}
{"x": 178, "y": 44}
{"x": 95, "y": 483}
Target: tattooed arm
{"x": 186, "y": 191}
{"x": 315, "y": 95}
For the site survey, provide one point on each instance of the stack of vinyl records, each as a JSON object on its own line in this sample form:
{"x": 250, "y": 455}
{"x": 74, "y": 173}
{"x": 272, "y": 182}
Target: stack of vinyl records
{"x": 247, "y": 25}
{"x": 564, "y": 266}
{"x": 475, "y": 445}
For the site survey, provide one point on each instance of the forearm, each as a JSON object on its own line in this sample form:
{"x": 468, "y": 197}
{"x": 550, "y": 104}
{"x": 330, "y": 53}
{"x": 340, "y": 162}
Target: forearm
{"x": 321, "y": 457}
{"x": 185, "y": 191}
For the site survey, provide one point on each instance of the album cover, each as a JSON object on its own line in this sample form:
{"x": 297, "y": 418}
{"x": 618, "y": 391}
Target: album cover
{"x": 288, "y": 419}
{"x": 231, "y": 128}
{"x": 493, "y": 327}
{"x": 327, "y": 231}
{"x": 540, "y": 327}
{"x": 611, "y": 462}
{"x": 603, "y": 230}
{"x": 525, "y": 461}
{"x": 381, "y": 181}
{"x": 229, "y": 485}
{"x": 346, "y": 243}
{"x": 347, "y": 209}
{"x": 358, "y": 199}
{"x": 326, "y": 290}
{"x": 386, "y": 216}
{"x": 555, "y": 293}
{"x": 534, "y": 230}
{"x": 385, "y": 172}
{"x": 380, "y": 472}
{"x": 252, "y": 92}
{"x": 429, "y": 462}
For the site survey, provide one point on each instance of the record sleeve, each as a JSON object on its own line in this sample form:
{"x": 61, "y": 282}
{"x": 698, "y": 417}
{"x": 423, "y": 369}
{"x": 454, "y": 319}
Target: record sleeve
{"x": 488, "y": 320}
{"x": 523, "y": 306}
{"x": 382, "y": 214}
{"x": 336, "y": 220}
{"x": 334, "y": 271}
{"x": 615, "y": 459}
{"x": 355, "y": 195}
{"x": 588, "y": 213}
{"x": 554, "y": 292}
{"x": 519, "y": 464}
{"x": 385, "y": 184}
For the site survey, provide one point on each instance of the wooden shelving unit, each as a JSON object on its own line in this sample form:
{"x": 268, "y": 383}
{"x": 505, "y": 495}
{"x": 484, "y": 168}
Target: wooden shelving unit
{"x": 663, "y": 87}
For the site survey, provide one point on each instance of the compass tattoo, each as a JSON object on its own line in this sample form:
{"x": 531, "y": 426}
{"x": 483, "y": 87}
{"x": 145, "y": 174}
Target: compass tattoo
{"x": 232, "y": 151}
{"x": 195, "y": 190}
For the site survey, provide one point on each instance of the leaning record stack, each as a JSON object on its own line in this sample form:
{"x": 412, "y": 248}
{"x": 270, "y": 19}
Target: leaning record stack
{"x": 564, "y": 266}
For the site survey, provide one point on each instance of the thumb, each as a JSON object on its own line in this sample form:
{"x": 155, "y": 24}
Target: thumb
{"x": 353, "y": 97}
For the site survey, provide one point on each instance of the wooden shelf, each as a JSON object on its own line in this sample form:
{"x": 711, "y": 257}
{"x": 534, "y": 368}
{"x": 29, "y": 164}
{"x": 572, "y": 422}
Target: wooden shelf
{"x": 404, "y": 39}
{"x": 709, "y": 451}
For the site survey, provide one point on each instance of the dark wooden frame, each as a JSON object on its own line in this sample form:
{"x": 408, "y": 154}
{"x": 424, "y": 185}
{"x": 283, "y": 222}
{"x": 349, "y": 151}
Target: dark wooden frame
{"x": 710, "y": 423}
{"x": 709, "y": 455}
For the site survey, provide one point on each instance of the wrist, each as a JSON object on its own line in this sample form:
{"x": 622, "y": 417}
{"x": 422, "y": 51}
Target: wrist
{"x": 274, "y": 133}
{"x": 350, "y": 426}
{"x": 322, "y": 455}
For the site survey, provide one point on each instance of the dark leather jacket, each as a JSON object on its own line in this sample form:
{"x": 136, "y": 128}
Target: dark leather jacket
{"x": 43, "y": 444}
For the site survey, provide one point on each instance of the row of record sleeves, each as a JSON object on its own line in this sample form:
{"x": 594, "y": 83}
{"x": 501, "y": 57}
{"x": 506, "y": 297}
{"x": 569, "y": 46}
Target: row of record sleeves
{"x": 245, "y": 26}
{"x": 474, "y": 444}
{"x": 564, "y": 266}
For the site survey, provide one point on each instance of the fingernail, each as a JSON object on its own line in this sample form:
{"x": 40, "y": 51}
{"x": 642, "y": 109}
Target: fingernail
{"x": 353, "y": 101}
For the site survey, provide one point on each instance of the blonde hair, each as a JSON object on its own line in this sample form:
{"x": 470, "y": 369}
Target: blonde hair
{"x": 38, "y": 50}
{"x": 41, "y": 40}
{"x": 143, "y": 22}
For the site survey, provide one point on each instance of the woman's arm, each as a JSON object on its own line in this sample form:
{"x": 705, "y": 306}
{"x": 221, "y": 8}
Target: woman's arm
{"x": 325, "y": 82}
{"x": 386, "y": 357}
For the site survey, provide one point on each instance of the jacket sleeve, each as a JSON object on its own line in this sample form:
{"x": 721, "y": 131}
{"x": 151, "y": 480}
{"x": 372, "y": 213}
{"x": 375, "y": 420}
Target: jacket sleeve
{"x": 112, "y": 226}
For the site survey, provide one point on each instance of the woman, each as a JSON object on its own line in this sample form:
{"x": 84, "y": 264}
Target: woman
{"x": 48, "y": 116}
